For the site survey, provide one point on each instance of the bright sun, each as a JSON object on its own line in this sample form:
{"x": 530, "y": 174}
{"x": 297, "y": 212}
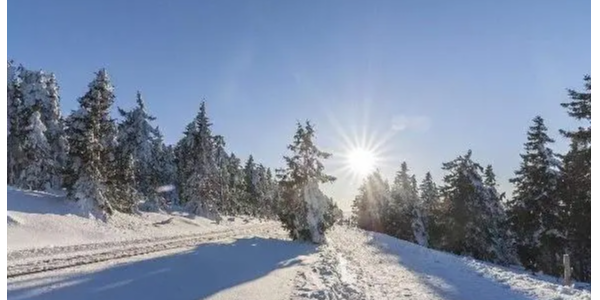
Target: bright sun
{"x": 361, "y": 161}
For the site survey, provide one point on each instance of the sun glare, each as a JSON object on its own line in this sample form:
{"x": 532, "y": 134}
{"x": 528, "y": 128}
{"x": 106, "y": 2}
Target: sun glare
{"x": 361, "y": 161}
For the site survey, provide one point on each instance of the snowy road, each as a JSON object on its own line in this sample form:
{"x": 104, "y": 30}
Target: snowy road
{"x": 243, "y": 268}
{"x": 353, "y": 265}
{"x": 30, "y": 261}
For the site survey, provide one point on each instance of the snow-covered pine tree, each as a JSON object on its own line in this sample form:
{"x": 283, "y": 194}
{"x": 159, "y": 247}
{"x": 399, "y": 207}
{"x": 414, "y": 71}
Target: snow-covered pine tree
{"x": 184, "y": 159}
{"x": 235, "y": 184}
{"x": 11, "y": 75}
{"x": 304, "y": 206}
{"x": 575, "y": 192}
{"x": 164, "y": 174}
{"x": 263, "y": 186}
{"x": 405, "y": 220}
{"x": 535, "y": 208}
{"x": 28, "y": 94}
{"x": 30, "y": 91}
{"x": 465, "y": 229}
{"x": 199, "y": 188}
{"x": 55, "y": 134}
{"x": 372, "y": 204}
{"x": 17, "y": 121}
{"x": 418, "y": 222}
{"x": 499, "y": 237}
{"x": 575, "y": 183}
{"x": 36, "y": 173}
{"x": 251, "y": 196}
{"x": 225, "y": 202}
{"x": 91, "y": 157}
{"x": 430, "y": 201}
{"x": 137, "y": 138}
{"x": 260, "y": 174}
{"x": 122, "y": 192}
{"x": 271, "y": 194}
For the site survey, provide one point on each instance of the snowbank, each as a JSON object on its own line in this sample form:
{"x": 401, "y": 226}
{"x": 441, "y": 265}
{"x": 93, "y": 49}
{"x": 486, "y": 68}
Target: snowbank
{"x": 388, "y": 268}
{"x": 39, "y": 219}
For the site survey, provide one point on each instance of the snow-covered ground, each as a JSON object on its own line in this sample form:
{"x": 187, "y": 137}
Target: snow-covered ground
{"x": 38, "y": 219}
{"x": 173, "y": 256}
{"x": 365, "y": 265}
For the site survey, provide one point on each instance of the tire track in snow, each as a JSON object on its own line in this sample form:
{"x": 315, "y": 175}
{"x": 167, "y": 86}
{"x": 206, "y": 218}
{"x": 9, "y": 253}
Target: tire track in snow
{"x": 25, "y": 254}
{"x": 78, "y": 258}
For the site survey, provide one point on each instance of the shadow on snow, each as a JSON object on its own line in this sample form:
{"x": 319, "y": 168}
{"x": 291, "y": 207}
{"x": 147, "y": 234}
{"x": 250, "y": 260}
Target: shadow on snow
{"x": 196, "y": 274}
{"x": 446, "y": 274}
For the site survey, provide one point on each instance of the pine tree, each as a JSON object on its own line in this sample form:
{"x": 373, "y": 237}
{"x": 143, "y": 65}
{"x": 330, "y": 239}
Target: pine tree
{"x": 91, "y": 135}
{"x": 55, "y": 134}
{"x": 137, "y": 139}
{"x": 28, "y": 92}
{"x": 16, "y": 124}
{"x": 122, "y": 192}
{"x": 405, "y": 220}
{"x": 236, "y": 184}
{"x": 575, "y": 183}
{"x": 251, "y": 196}
{"x": 466, "y": 228}
{"x": 270, "y": 193}
{"x": 304, "y": 206}
{"x": 184, "y": 159}
{"x": 26, "y": 97}
{"x": 580, "y": 108}
{"x": 198, "y": 168}
{"x": 11, "y": 75}
{"x": 430, "y": 201}
{"x": 226, "y": 202}
{"x": 36, "y": 174}
{"x": 164, "y": 174}
{"x": 534, "y": 209}
{"x": 499, "y": 237}
{"x": 372, "y": 204}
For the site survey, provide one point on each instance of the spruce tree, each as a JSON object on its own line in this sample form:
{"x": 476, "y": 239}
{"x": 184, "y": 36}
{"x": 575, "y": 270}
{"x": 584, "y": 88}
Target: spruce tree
{"x": 225, "y": 202}
{"x": 372, "y": 204}
{"x": 137, "y": 139}
{"x": 575, "y": 182}
{"x": 499, "y": 237}
{"x": 163, "y": 171}
{"x": 251, "y": 196}
{"x": 11, "y": 97}
{"x": 17, "y": 122}
{"x": 55, "y": 134}
{"x": 91, "y": 133}
{"x": 236, "y": 184}
{"x": 199, "y": 171}
{"x": 304, "y": 206}
{"x": 466, "y": 228}
{"x": 535, "y": 208}
{"x": 184, "y": 159}
{"x": 430, "y": 201}
{"x": 37, "y": 173}
{"x": 405, "y": 220}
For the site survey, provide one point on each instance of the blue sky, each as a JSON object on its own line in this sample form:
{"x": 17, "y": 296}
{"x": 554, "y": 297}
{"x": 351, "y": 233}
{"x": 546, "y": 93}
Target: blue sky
{"x": 426, "y": 79}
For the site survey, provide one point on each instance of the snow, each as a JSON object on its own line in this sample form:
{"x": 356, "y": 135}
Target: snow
{"x": 317, "y": 204}
{"x": 244, "y": 268}
{"x": 55, "y": 252}
{"x": 389, "y": 268}
{"x": 38, "y": 219}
